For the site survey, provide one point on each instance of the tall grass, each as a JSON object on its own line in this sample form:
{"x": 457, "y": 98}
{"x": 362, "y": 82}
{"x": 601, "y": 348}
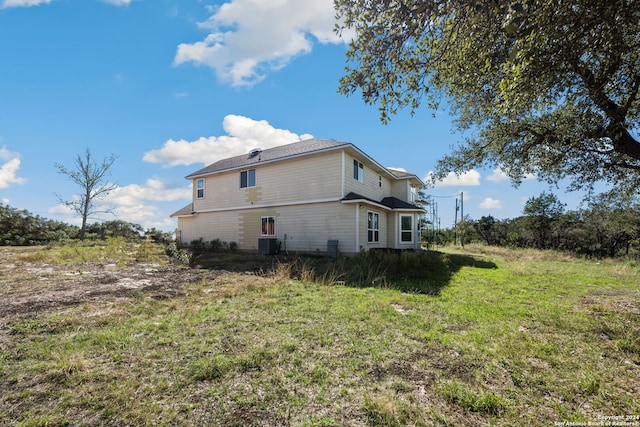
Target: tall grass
{"x": 503, "y": 342}
{"x": 421, "y": 272}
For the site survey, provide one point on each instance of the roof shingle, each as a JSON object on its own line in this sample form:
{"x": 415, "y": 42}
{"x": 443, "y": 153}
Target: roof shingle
{"x": 283, "y": 151}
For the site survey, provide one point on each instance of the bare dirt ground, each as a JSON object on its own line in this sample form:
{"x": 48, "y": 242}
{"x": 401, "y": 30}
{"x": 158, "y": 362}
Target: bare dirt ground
{"x": 31, "y": 287}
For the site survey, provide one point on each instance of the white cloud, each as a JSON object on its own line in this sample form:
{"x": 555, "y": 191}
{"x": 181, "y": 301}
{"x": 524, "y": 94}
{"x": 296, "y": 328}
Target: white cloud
{"x": 135, "y": 203}
{"x": 22, "y": 3}
{"x": 248, "y": 38}
{"x": 500, "y": 175}
{"x": 490, "y": 203}
{"x": 153, "y": 190}
{"x": 9, "y": 168}
{"x": 243, "y": 134}
{"x": 5, "y": 4}
{"x": 118, "y": 2}
{"x": 131, "y": 203}
{"x": 469, "y": 178}
{"x": 5, "y": 201}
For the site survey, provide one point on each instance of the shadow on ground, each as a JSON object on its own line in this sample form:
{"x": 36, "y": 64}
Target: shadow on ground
{"x": 425, "y": 272}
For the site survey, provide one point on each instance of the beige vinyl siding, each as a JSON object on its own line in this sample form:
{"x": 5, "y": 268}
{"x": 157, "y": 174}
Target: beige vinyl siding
{"x": 364, "y": 230}
{"x": 401, "y": 189}
{"x": 309, "y": 178}
{"x": 307, "y": 227}
{"x": 392, "y": 229}
{"x": 315, "y": 177}
{"x": 371, "y": 186}
{"x": 222, "y": 225}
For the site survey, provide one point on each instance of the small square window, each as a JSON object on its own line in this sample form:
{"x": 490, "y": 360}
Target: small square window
{"x": 268, "y": 227}
{"x": 200, "y": 188}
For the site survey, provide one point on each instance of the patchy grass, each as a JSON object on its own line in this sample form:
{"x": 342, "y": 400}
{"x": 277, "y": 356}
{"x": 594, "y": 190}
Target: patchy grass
{"x": 509, "y": 338}
{"x": 113, "y": 250}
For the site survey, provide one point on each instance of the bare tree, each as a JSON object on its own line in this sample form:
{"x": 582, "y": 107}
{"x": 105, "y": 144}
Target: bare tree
{"x": 90, "y": 176}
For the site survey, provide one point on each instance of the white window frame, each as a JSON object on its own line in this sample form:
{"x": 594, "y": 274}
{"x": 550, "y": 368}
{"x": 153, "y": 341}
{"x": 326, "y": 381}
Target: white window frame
{"x": 246, "y": 183}
{"x": 358, "y": 171}
{"x": 200, "y": 189}
{"x": 373, "y": 227}
{"x": 265, "y": 232}
{"x": 404, "y": 231}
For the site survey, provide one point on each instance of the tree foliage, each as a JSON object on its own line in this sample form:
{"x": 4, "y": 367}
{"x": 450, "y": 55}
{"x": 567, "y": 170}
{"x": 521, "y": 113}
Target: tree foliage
{"x": 608, "y": 227}
{"x": 548, "y": 88}
{"x": 541, "y": 212}
{"x": 91, "y": 177}
{"x": 22, "y": 228}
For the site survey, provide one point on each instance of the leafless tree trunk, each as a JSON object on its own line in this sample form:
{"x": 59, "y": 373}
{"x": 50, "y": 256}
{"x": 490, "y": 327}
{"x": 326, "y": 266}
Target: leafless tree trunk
{"x": 91, "y": 177}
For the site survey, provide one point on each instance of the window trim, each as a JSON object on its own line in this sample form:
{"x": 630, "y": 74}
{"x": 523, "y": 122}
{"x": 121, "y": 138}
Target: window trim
{"x": 246, "y": 182}
{"x": 358, "y": 171}
{"x": 404, "y": 231}
{"x": 373, "y": 230}
{"x": 200, "y": 189}
{"x": 262, "y": 226}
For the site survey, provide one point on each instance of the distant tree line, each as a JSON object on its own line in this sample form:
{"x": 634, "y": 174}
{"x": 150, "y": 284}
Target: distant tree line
{"x": 608, "y": 227}
{"x": 22, "y": 228}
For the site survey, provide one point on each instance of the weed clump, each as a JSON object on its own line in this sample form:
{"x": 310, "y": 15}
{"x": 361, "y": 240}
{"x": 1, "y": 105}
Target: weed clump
{"x": 419, "y": 272}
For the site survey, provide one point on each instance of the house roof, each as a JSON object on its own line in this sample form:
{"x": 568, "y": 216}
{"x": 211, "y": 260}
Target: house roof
{"x": 185, "y": 211}
{"x": 271, "y": 154}
{"x": 402, "y": 174}
{"x": 389, "y": 202}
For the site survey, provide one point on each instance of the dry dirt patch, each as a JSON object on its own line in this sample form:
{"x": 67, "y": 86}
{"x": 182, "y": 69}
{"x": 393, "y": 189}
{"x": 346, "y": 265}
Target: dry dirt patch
{"x": 31, "y": 287}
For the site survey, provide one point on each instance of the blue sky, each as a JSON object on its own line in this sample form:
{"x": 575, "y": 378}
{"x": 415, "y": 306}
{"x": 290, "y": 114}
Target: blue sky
{"x": 171, "y": 85}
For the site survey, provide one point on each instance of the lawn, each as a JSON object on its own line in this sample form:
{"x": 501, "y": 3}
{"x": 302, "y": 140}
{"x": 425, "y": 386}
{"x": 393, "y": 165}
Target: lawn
{"x": 495, "y": 337}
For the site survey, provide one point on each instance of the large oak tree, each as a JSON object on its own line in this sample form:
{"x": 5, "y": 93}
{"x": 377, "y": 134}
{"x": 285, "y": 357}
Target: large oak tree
{"x": 544, "y": 87}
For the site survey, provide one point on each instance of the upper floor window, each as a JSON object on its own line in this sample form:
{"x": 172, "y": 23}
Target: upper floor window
{"x": 358, "y": 171}
{"x": 406, "y": 228}
{"x": 379, "y": 180}
{"x": 200, "y": 188}
{"x": 248, "y": 178}
{"x": 413, "y": 194}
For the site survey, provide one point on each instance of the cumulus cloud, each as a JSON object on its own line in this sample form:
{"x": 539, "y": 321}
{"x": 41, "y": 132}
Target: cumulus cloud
{"x": 22, "y": 3}
{"x": 5, "y": 4}
{"x": 9, "y": 165}
{"x": 118, "y": 2}
{"x": 469, "y": 178}
{"x": 136, "y": 203}
{"x": 152, "y": 190}
{"x": 243, "y": 134}
{"x": 500, "y": 175}
{"x": 248, "y": 38}
{"x": 490, "y": 203}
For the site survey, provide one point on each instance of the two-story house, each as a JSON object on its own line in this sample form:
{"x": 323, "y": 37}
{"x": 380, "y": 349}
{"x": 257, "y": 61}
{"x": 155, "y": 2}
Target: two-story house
{"x": 303, "y": 195}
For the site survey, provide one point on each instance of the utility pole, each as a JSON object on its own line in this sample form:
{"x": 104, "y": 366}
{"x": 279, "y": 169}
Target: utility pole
{"x": 462, "y": 219}
{"x": 455, "y": 224}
